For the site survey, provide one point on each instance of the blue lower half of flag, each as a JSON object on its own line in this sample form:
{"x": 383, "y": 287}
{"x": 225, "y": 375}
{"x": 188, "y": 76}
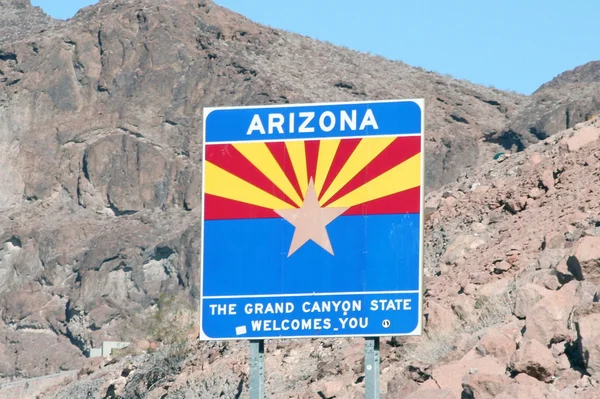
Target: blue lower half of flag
{"x": 371, "y": 253}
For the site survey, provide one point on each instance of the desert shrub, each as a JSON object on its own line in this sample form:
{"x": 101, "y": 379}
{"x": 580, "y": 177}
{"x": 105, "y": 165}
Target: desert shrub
{"x": 169, "y": 325}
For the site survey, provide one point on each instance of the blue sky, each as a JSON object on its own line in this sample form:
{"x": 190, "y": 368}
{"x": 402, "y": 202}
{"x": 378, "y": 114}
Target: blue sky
{"x": 510, "y": 44}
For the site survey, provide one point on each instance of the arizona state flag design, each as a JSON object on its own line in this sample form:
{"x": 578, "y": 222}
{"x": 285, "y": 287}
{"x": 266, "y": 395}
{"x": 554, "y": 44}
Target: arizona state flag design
{"x": 336, "y": 211}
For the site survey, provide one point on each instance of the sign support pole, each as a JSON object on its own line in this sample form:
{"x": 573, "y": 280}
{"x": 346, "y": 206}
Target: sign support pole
{"x": 257, "y": 369}
{"x": 372, "y": 367}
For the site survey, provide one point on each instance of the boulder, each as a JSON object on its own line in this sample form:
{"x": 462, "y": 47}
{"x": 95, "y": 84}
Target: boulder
{"x": 496, "y": 344}
{"x": 527, "y": 296}
{"x": 585, "y": 261}
{"x": 439, "y": 318}
{"x": 547, "y": 180}
{"x": 535, "y": 193}
{"x": 331, "y": 389}
{"x": 548, "y": 318}
{"x": 566, "y": 378}
{"x": 460, "y": 246}
{"x": 501, "y": 267}
{"x": 534, "y": 359}
{"x": 582, "y": 138}
{"x": 450, "y": 376}
{"x": 464, "y": 308}
{"x": 568, "y": 270}
{"x": 524, "y": 391}
{"x": 554, "y": 240}
{"x": 401, "y": 387}
{"x": 588, "y": 330}
{"x": 432, "y": 204}
{"x": 484, "y": 386}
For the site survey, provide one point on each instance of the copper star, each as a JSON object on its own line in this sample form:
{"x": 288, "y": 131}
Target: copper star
{"x": 310, "y": 221}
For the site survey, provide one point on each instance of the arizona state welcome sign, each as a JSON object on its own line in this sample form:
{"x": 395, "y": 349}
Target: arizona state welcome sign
{"x": 312, "y": 220}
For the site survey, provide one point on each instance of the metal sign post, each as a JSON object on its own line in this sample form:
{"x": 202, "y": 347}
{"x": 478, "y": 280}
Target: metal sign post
{"x": 372, "y": 368}
{"x": 257, "y": 369}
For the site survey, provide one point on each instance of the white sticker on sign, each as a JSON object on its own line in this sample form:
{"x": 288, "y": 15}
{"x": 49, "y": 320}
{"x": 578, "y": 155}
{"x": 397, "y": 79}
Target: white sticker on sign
{"x": 241, "y": 330}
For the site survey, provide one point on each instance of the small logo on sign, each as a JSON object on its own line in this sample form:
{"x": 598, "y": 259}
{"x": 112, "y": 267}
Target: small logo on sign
{"x": 386, "y": 323}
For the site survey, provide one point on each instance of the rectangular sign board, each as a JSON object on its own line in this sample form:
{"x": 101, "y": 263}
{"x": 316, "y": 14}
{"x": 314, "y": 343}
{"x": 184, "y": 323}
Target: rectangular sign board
{"x": 312, "y": 220}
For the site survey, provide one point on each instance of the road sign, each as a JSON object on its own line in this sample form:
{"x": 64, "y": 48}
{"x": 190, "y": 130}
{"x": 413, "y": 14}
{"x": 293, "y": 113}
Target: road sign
{"x": 312, "y": 223}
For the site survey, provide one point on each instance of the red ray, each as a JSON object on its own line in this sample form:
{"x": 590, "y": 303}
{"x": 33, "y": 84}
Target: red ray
{"x": 345, "y": 149}
{"x": 281, "y": 155}
{"x": 218, "y": 208}
{"x": 408, "y": 201}
{"x": 312, "y": 153}
{"x": 401, "y": 149}
{"x": 228, "y": 158}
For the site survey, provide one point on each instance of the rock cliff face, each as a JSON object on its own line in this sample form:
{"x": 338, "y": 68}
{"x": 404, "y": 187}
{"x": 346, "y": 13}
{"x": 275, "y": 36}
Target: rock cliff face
{"x": 19, "y": 20}
{"x": 100, "y": 152}
{"x": 570, "y": 98}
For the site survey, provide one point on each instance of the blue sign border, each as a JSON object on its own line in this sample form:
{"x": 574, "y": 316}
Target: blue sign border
{"x": 222, "y": 114}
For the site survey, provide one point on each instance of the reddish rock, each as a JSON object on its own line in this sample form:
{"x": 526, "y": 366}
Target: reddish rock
{"x": 534, "y": 359}
{"x": 494, "y": 289}
{"x": 536, "y": 193}
{"x": 548, "y": 318}
{"x": 525, "y": 379}
{"x": 460, "y": 246}
{"x": 566, "y": 378}
{"x": 331, "y": 389}
{"x": 582, "y": 138}
{"x": 496, "y": 344}
{"x": 562, "y": 362}
{"x": 480, "y": 277}
{"x": 478, "y": 227}
{"x": 501, "y": 267}
{"x": 450, "y": 376}
{"x": 464, "y": 308}
{"x": 588, "y": 329}
{"x": 535, "y": 158}
{"x": 549, "y": 258}
{"x": 431, "y": 393}
{"x": 547, "y": 180}
{"x": 527, "y": 296}
{"x": 484, "y": 386}
{"x": 401, "y": 387}
{"x": 513, "y": 258}
{"x": 565, "y": 270}
{"x": 524, "y": 391}
{"x": 513, "y": 329}
{"x": 439, "y": 318}
{"x": 554, "y": 240}
{"x": 586, "y": 258}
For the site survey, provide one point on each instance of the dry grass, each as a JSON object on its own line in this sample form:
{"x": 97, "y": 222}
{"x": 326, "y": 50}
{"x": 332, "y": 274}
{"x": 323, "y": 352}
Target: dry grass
{"x": 438, "y": 344}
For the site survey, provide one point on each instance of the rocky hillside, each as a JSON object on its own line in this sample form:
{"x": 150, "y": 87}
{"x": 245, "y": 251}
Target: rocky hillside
{"x": 100, "y": 151}
{"x": 570, "y": 98}
{"x": 511, "y": 304}
{"x": 20, "y": 20}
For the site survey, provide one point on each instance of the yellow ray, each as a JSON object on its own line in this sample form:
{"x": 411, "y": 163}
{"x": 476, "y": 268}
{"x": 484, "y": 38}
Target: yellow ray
{"x": 260, "y": 156}
{"x": 297, "y": 155}
{"x": 364, "y": 153}
{"x": 221, "y": 183}
{"x": 405, "y": 176}
{"x": 327, "y": 149}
